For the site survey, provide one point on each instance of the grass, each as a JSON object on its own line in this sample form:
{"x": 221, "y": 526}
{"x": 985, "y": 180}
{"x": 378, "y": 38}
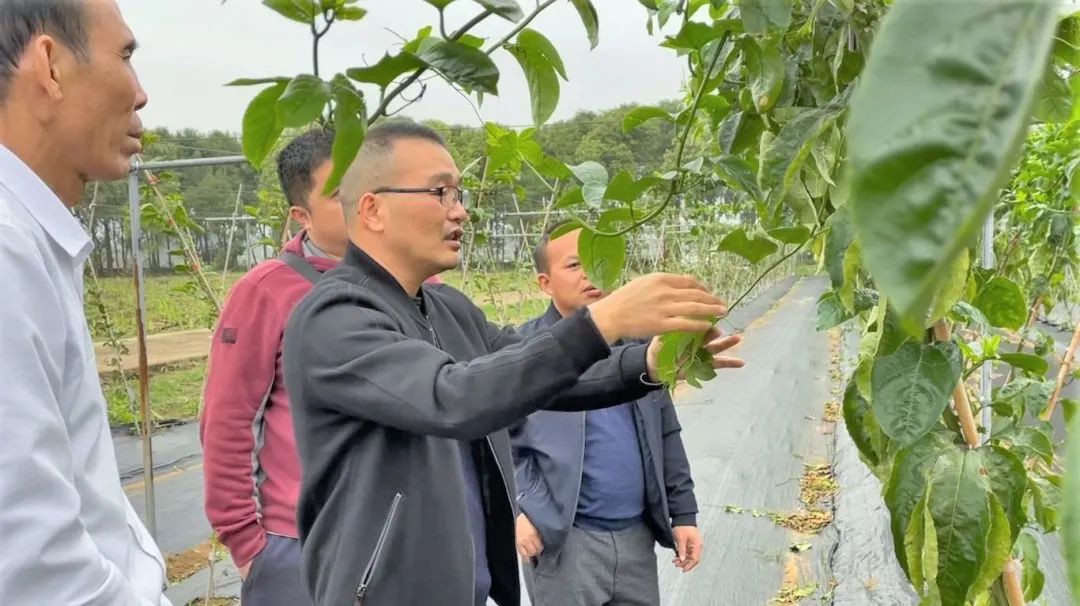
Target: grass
{"x": 172, "y": 303}
{"x": 175, "y": 394}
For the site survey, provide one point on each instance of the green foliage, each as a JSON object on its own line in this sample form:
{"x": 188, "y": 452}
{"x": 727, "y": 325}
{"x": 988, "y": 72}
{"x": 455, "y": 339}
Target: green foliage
{"x": 923, "y": 182}
{"x": 911, "y": 388}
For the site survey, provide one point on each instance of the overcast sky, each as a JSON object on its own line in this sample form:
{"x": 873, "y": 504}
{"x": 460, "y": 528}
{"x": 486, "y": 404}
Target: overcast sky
{"x": 190, "y": 48}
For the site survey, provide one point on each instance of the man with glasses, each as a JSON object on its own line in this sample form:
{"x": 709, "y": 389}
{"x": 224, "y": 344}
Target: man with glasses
{"x": 402, "y": 392}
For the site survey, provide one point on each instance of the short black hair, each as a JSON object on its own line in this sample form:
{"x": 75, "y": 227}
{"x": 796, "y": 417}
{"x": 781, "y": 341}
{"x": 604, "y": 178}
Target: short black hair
{"x": 384, "y": 134}
{"x": 540, "y": 260}
{"x": 22, "y": 20}
{"x": 298, "y": 161}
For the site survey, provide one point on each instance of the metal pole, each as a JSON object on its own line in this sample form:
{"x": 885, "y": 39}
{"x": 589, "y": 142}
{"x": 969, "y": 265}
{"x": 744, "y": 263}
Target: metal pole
{"x": 986, "y": 258}
{"x": 144, "y": 372}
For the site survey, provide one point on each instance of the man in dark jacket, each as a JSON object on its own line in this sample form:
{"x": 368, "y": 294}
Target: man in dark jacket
{"x": 598, "y": 489}
{"x": 401, "y": 391}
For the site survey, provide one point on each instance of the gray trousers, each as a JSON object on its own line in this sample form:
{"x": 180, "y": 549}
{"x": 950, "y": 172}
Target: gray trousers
{"x": 599, "y": 569}
{"x": 275, "y": 578}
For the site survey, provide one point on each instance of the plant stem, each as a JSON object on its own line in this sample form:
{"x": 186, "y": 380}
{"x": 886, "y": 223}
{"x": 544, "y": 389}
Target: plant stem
{"x": 520, "y": 26}
{"x": 679, "y": 150}
{"x": 1063, "y": 373}
{"x": 961, "y": 405}
{"x": 316, "y": 36}
{"x": 769, "y": 270}
{"x": 406, "y": 83}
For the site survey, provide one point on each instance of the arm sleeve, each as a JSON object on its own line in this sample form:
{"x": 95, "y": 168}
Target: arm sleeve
{"x": 677, "y": 479}
{"x": 49, "y": 558}
{"x": 240, "y": 375}
{"x": 351, "y": 358}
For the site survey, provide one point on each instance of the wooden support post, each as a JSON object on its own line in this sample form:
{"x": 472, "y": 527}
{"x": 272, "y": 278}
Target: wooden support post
{"x": 1063, "y": 373}
{"x": 961, "y": 405}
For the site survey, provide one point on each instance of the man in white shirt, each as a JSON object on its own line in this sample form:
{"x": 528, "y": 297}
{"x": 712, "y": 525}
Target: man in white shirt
{"x": 68, "y": 103}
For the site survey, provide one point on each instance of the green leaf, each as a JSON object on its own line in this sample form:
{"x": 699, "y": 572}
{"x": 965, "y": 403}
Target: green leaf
{"x": 261, "y": 125}
{"x": 624, "y": 188}
{"x": 460, "y": 63}
{"x": 1070, "y": 532}
{"x": 589, "y": 19}
{"x": 539, "y": 47}
{"x": 1055, "y": 100}
{"x": 303, "y": 101}
{"x": 1069, "y": 407}
{"x": 858, "y": 417}
{"x": 911, "y": 388}
{"x": 907, "y": 484}
{"x": 350, "y": 126}
{"x": 349, "y": 13}
{"x": 1024, "y": 397}
{"x": 1008, "y": 479}
{"x": 914, "y": 543}
{"x": 738, "y": 174}
{"x": 1003, "y": 303}
{"x": 591, "y": 173}
{"x": 765, "y": 16}
{"x": 1067, "y": 41}
{"x": 998, "y": 549}
{"x": 1027, "y": 362}
{"x": 1047, "y": 498}
{"x": 640, "y": 115}
{"x": 765, "y": 70}
{"x": 1031, "y": 441}
{"x": 543, "y": 82}
{"x": 603, "y": 258}
{"x": 781, "y": 162}
{"x": 738, "y": 132}
{"x": 254, "y": 81}
{"x": 838, "y": 239}
{"x": 692, "y": 37}
{"x": 388, "y": 69}
{"x": 791, "y": 235}
{"x": 932, "y": 133}
{"x": 952, "y": 290}
{"x": 751, "y": 248}
{"x": 303, "y": 11}
{"x": 831, "y": 311}
{"x": 507, "y": 9}
{"x": 439, "y": 4}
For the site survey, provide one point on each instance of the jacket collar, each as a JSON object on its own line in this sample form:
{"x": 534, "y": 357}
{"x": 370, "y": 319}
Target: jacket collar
{"x": 43, "y": 205}
{"x": 377, "y": 274}
{"x": 550, "y": 317}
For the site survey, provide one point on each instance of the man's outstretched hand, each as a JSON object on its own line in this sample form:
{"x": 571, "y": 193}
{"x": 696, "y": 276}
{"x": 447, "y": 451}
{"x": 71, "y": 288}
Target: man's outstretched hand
{"x": 656, "y": 304}
{"x": 715, "y": 343}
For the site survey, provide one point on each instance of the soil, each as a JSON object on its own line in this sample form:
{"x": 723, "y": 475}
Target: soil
{"x": 186, "y": 563}
{"x": 161, "y": 349}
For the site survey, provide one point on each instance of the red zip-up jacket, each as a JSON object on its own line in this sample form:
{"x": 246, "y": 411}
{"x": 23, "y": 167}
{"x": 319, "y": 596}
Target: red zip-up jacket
{"x": 251, "y": 471}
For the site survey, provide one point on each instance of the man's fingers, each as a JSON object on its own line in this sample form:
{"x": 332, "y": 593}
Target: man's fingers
{"x": 727, "y": 362}
{"x": 683, "y": 324}
{"x": 694, "y": 309}
{"x": 682, "y": 281}
{"x": 718, "y": 345}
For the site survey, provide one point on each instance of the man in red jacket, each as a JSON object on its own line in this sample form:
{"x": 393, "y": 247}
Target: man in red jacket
{"x": 252, "y": 471}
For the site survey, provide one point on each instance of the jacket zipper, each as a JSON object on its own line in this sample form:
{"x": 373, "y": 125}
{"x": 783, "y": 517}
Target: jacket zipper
{"x": 380, "y": 544}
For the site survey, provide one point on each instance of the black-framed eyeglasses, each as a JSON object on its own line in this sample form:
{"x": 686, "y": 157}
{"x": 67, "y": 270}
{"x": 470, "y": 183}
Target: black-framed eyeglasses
{"x": 448, "y": 194}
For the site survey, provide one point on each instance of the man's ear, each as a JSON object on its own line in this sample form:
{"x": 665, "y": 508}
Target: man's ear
{"x": 300, "y": 215}
{"x": 46, "y": 63}
{"x": 544, "y": 282}
{"x": 370, "y": 212}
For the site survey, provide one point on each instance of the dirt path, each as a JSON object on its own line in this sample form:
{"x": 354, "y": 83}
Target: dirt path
{"x": 161, "y": 349}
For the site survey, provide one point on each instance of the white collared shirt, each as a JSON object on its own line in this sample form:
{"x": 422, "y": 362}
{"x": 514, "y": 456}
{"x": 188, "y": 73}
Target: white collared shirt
{"x": 68, "y": 534}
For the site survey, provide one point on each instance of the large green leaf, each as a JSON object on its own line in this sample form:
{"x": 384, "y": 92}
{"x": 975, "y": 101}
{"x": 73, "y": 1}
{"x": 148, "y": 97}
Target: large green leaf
{"x": 1023, "y": 397}
{"x": 935, "y": 124}
{"x": 856, "y": 410}
{"x": 765, "y": 70}
{"x": 602, "y": 258}
{"x": 461, "y": 63}
{"x": 594, "y": 180}
{"x": 952, "y": 290}
{"x": 1029, "y": 441}
{"x": 261, "y": 126}
{"x": 831, "y": 311}
{"x": 738, "y": 174}
{"x": 1008, "y": 479}
{"x": 837, "y": 240}
{"x": 692, "y": 37}
{"x": 254, "y": 81}
{"x": 911, "y": 388}
{"x": 751, "y": 248}
{"x": 507, "y": 9}
{"x": 1003, "y": 303}
{"x": 388, "y": 69}
{"x": 781, "y": 162}
{"x": 961, "y": 507}
{"x": 998, "y": 549}
{"x": 640, "y": 115}
{"x": 589, "y": 19}
{"x": 303, "y": 101}
{"x": 303, "y": 11}
{"x": 1070, "y": 532}
{"x": 540, "y": 69}
{"x": 1026, "y": 362}
{"x": 765, "y": 16}
{"x": 907, "y": 484}
{"x": 1047, "y": 499}
{"x": 791, "y": 235}
{"x": 738, "y": 132}
{"x": 1055, "y": 100}
{"x": 350, "y": 126}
